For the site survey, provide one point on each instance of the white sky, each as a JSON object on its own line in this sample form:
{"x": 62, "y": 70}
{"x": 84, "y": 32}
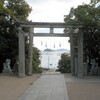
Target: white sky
{"x": 51, "y": 11}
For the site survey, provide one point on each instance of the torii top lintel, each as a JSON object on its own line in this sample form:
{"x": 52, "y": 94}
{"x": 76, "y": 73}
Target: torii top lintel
{"x": 46, "y": 24}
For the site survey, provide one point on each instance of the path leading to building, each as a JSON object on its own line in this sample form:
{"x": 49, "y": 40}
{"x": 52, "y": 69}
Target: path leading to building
{"x": 47, "y": 87}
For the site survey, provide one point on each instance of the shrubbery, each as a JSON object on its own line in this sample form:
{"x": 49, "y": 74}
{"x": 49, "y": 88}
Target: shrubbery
{"x": 64, "y": 65}
{"x": 36, "y": 61}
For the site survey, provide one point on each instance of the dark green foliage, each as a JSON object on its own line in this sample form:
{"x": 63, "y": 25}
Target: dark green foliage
{"x": 64, "y": 63}
{"x": 9, "y": 11}
{"x": 89, "y": 17}
{"x": 20, "y": 8}
{"x": 36, "y": 61}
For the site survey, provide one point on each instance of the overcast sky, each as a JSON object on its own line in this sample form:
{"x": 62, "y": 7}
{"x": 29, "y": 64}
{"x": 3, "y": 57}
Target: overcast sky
{"x": 51, "y": 11}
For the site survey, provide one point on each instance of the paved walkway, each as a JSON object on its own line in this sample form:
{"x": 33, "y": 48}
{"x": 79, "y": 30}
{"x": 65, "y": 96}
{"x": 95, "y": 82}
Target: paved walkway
{"x": 47, "y": 87}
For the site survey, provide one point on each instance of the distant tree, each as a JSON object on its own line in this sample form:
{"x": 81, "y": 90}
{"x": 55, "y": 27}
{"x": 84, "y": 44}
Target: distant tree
{"x": 36, "y": 61}
{"x": 64, "y": 65}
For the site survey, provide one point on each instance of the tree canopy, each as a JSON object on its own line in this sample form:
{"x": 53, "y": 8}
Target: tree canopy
{"x": 10, "y": 10}
{"x": 88, "y": 15}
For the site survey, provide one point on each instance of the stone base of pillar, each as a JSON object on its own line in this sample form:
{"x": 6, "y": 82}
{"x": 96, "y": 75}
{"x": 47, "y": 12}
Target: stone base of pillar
{"x": 98, "y": 70}
{"x": 80, "y": 75}
{"x": 21, "y": 75}
{"x": 76, "y": 69}
{"x": 73, "y": 74}
{"x": 26, "y": 67}
{"x": 29, "y": 74}
{"x": 85, "y": 68}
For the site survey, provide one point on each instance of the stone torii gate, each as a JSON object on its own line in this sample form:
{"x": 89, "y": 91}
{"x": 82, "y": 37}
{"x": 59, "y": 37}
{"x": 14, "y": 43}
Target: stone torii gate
{"x": 76, "y": 45}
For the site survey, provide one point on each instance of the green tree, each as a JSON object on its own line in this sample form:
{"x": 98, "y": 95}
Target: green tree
{"x": 36, "y": 61}
{"x": 20, "y": 9}
{"x": 89, "y": 17}
{"x": 10, "y": 10}
{"x": 64, "y": 63}
{"x": 94, "y": 1}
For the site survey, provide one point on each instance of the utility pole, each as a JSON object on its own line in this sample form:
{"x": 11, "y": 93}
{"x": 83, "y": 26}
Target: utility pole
{"x": 48, "y": 61}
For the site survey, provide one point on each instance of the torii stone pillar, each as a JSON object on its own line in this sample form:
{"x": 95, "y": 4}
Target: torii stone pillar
{"x": 80, "y": 55}
{"x": 72, "y": 52}
{"x": 76, "y": 53}
{"x": 21, "y": 67}
{"x": 76, "y": 65}
{"x": 30, "y": 51}
{"x": 51, "y": 30}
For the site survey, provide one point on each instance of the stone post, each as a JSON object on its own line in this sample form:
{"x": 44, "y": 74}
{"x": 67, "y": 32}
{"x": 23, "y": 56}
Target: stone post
{"x": 76, "y": 52}
{"x": 85, "y": 69}
{"x": 72, "y": 52}
{"x": 76, "y": 65}
{"x": 51, "y": 30}
{"x": 21, "y": 67}
{"x": 30, "y": 51}
{"x": 80, "y": 55}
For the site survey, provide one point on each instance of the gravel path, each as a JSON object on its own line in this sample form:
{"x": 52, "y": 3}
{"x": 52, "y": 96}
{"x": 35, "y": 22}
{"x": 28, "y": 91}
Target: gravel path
{"x": 12, "y": 87}
{"x": 83, "y": 89}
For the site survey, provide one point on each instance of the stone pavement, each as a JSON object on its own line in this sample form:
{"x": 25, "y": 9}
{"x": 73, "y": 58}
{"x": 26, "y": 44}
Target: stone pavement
{"x": 47, "y": 87}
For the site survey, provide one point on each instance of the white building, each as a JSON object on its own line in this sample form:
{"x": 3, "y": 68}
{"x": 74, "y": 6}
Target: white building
{"x": 50, "y": 59}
